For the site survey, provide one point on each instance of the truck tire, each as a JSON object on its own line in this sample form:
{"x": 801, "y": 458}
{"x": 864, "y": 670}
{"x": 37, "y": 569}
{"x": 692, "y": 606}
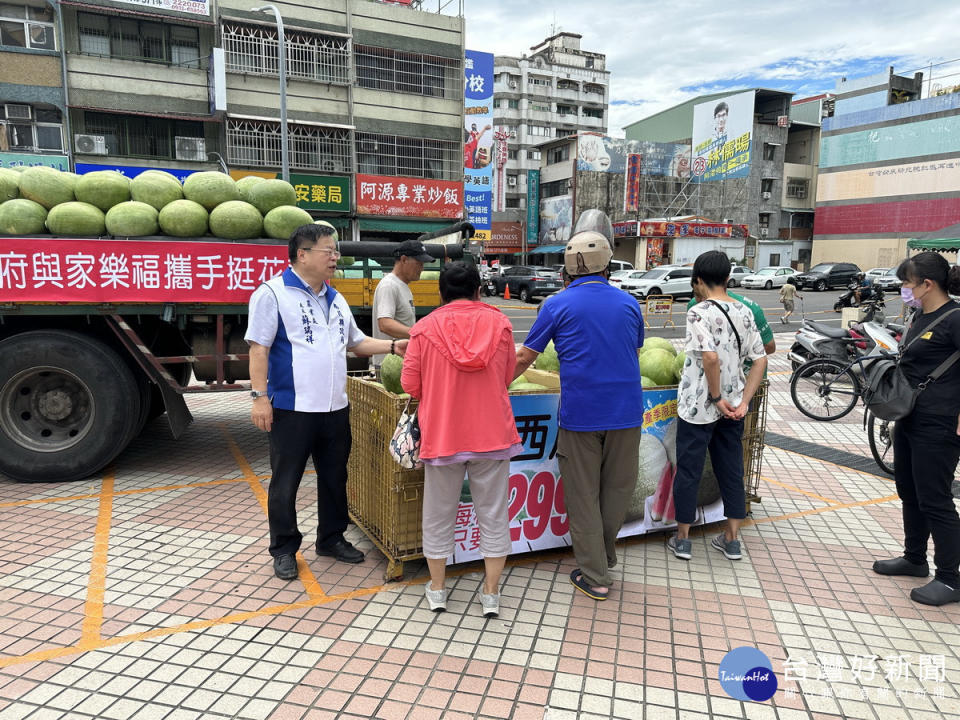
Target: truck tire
{"x": 68, "y": 406}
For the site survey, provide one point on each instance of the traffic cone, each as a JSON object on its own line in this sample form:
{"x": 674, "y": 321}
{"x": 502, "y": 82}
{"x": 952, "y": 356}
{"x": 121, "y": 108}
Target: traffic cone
{"x": 506, "y": 291}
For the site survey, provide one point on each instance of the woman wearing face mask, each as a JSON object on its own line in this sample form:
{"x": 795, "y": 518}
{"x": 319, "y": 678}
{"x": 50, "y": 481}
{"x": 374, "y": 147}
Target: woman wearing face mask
{"x": 926, "y": 444}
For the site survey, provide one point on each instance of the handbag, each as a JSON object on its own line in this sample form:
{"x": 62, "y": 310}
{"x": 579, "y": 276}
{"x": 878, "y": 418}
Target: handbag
{"x": 888, "y": 393}
{"x": 405, "y": 443}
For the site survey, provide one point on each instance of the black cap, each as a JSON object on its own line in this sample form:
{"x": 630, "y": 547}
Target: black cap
{"x": 413, "y": 249}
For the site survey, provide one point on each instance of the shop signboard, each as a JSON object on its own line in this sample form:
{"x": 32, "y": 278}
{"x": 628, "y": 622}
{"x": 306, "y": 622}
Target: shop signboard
{"x": 10, "y": 160}
{"x": 478, "y": 148}
{"x": 692, "y": 229}
{"x": 329, "y": 193}
{"x": 533, "y": 207}
{"x": 190, "y": 7}
{"x": 413, "y": 197}
{"x": 131, "y": 171}
{"x": 599, "y": 153}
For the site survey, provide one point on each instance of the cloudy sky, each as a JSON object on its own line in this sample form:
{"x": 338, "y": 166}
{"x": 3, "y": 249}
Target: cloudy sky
{"x": 662, "y": 53}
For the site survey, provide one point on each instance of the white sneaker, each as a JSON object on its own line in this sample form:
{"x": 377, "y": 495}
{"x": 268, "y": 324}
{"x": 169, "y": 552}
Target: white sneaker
{"x": 490, "y": 604}
{"x": 436, "y": 599}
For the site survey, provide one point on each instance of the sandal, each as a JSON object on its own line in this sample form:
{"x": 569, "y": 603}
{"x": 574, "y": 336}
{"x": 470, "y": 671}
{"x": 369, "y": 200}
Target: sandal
{"x": 576, "y": 578}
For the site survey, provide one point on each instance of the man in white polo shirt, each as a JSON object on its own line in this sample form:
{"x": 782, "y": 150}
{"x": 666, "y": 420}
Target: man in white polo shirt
{"x": 299, "y": 332}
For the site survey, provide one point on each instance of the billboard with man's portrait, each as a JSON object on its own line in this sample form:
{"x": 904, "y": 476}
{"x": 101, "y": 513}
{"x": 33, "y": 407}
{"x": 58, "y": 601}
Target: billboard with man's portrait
{"x": 722, "y": 137}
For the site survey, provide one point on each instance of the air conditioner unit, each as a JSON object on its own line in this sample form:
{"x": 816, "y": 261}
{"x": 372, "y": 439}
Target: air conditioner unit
{"x": 512, "y": 180}
{"x": 764, "y": 232}
{"x": 90, "y": 144}
{"x": 191, "y": 148}
{"x": 332, "y": 165}
{"x": 801, "y": 194}
{"x": 513, "y": 84}
{"x": 18, "y": 112}
{"x": 766, "y": 195}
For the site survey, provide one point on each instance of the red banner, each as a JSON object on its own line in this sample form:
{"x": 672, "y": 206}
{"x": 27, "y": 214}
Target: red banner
{"x": 115, "y": 271}
{"x": 380, "y": 195}
{"x": 692, "y": 229}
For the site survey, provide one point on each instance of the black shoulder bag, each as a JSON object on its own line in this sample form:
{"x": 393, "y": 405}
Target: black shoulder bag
{"x": 888, "y": 393}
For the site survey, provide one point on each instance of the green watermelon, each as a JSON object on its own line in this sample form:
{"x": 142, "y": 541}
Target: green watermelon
{"x": 9, "y": 185}
{"x": 246, "y": 184}
{"x": 46, "y": 186}
{"x": 22, "y": 217}
{"x": 102, "y": 189}
{"x": 336, "y": 234}
{"x": 280, "y": 222}
{"x": 156, "y": 189}
{"x": 390, "y": 370}
{"x": 210, "y": 189}
{"x": 270, "y": 194}
{"x": 183, "y": 218}
{"x": 132, "y": 219}
{"x": 76, "y": 219}
{"x": 236, "y": 220}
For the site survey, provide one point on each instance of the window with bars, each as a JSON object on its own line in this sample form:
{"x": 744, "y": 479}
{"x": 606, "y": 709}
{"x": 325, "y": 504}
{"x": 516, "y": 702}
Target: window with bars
{"x": 27, "y": 26}
{"x": 379, "y": 154}
{"x": 257, "y": 143}
{"x": 310, "y": 56}
{"x": 406, "y": 72}
{"x": 135, "y": 136}
{"x": 120, "y": 37}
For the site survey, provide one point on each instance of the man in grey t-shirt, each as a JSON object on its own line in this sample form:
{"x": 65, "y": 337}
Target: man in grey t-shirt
{"x": 393, "y": 310}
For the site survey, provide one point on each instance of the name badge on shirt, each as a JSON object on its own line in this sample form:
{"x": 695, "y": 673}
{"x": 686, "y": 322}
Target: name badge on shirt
{"x": 927, "y": 335}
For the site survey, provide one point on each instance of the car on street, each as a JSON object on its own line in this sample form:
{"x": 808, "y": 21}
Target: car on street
{"x": 737, "y": 274}
{"x": 768, "y": 277}
{"x": 529, "y": 281}
{"x": 827, "y": 275}
{"x": 874, "y": 273}
{"x": 620, "y": 265}
{"x": 617, "y": 277}
{"x": 889, "y": 280}
{"x": 663, "y": 280}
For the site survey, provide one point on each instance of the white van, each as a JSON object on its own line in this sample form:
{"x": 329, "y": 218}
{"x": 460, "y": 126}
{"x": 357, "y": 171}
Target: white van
{"x": 619, "y": 265}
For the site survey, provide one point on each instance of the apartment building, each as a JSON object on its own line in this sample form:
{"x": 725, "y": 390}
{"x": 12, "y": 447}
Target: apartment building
{"x": 374, "y": 99}
{"x": 556, "y": 90}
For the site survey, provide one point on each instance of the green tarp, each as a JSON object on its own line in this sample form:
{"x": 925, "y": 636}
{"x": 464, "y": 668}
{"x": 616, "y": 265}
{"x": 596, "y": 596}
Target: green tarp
{"x": 945, "y": 240}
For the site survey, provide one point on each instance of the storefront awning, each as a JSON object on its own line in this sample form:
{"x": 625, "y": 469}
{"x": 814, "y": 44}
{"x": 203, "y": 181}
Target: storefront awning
{"x": 544, "y": 249}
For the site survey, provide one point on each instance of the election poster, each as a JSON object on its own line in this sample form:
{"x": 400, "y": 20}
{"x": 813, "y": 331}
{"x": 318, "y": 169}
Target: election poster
{"x": 722, "y": 137}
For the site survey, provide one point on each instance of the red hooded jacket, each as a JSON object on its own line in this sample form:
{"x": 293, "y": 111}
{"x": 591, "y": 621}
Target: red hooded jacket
{"x": 459, "y": 363}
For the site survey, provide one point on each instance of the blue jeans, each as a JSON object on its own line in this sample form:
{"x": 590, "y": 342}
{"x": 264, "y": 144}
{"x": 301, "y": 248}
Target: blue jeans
{"x": 724, "y": 439}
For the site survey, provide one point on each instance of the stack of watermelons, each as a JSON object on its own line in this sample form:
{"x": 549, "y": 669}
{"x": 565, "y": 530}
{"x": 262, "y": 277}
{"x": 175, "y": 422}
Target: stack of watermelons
{"x": 41, "y": 200}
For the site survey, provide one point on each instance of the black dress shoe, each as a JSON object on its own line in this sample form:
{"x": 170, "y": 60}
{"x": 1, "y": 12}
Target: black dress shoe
{"x": 900, "y": 566}
{"x": 342, "y": 551}
{"x": 935, "y": 593}
{"x": 285, "y": 567}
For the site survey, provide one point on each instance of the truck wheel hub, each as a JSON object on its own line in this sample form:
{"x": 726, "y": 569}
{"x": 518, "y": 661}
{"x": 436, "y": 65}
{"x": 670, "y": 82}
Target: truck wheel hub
{"x": 55, "y": 405}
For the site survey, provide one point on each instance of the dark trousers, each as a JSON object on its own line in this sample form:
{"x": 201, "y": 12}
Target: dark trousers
{"x": 925, "y": 451}
{"x": 724, "y": 439}
{"x": 294, "y": 438}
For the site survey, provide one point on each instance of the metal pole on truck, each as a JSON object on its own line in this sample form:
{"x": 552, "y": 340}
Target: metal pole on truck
{"x": 282, "y": 68}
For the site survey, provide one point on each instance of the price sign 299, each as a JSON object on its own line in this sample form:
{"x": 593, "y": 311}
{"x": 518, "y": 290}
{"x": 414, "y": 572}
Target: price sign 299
{"x": 537, "y": 505}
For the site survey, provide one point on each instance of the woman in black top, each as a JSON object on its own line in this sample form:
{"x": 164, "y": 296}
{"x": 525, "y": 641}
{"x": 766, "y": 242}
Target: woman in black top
{"x": 926, "y": 443}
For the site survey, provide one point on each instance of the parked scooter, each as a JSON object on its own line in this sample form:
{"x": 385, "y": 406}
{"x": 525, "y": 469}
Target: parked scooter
{"x": 849, "y": 298}
{"x": 815, "y": 339}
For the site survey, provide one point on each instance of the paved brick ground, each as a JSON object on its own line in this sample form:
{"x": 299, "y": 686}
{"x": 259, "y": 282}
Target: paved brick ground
{"x": 147, "y": 593}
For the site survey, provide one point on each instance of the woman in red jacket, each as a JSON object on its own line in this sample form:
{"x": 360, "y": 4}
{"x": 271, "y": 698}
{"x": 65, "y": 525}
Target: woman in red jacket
{"x": 459, "y": 363}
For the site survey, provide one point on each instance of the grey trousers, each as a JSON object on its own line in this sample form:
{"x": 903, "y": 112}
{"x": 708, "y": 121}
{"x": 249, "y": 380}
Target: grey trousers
{"x": 599, "y": 471}
{"x": 490, "y": 488}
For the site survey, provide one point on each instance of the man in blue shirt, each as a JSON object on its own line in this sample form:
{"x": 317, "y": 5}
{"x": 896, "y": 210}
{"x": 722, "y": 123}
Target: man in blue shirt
{"x": 597, "y": 330}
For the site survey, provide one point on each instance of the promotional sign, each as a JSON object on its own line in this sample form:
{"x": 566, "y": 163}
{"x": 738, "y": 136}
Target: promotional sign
{"x": 314, "y": 192}
{"x": 722, "y": 131}
{"x": 131, "y": 171}
{"x": 692, "y": 229}
{"x": 919, "y": 178}
{"x": 380, "y": 195}
{"x": 625, "y": 229}
{"x": 505, "y": 237}
{"x": 631, "y": 188}
{"x": 193, "y": 7}
{"x": 142, "y": 271}
{"x": 533, "y": 206}
{"x": 537, "y": 508}
{"x": 556, "y": 219}
{"x": 10, "y": 160}
{"x": 599, "y": 153}
{"x": 478, "y": 140}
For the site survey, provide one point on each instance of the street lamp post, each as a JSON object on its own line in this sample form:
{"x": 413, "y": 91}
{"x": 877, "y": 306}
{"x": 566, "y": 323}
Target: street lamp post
{"x": 282, "y": 66}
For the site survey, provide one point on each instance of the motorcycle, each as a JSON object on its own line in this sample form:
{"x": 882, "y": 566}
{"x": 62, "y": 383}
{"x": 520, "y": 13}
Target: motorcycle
{"x": 815, "y": 339}
{"x": 867, "y": 294}
{"x": 488, "y": 284}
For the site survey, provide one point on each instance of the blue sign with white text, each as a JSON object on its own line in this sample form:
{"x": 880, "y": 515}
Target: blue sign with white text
{"x": 131, "y": 171}
{"x": 478, "y": 138}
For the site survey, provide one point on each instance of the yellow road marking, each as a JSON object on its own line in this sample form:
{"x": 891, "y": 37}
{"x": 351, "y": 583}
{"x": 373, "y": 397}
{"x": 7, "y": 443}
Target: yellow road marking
{"x": 802, "y": 492}
{"x": 306, "y": 576}
{"x": 97, "y": 582}
{"x": 53, "y": 653}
